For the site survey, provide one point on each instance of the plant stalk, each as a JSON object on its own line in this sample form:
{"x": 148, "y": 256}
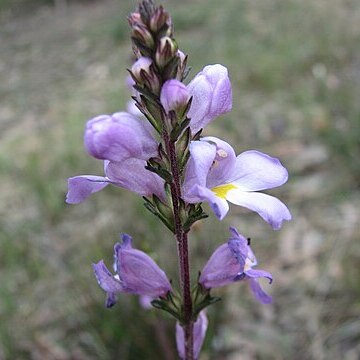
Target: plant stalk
{"x": 183, "y": 249}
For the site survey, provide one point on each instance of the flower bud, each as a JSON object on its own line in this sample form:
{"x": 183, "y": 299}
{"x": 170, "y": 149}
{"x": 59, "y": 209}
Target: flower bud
{"x": 161, "y": 21}
{"x": 141, "y": 64}
{"x": 135, "y": 18}
{"x": 199, "y": 331}
{"x": 174, "y": 96}
{"x": 181, "y": 56}
{"x": 165, "y": 51}
{"x": 143, "y": 35}
{"x": 144, "y": 74}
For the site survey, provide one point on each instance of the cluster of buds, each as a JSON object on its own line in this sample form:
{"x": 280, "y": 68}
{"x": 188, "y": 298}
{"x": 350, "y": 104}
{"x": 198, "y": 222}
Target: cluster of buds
{"x": 167, "y": 162}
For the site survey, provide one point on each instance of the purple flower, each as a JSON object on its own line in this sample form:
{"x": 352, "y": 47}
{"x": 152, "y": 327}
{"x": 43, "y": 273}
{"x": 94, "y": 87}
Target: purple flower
{"x": 211, "y": 96}
{"x": 174, "y": 95}
{"x": 199, "y": 331}
{"x": 125, "y": 143}
{"x": 118, "y": 137}
{"x": 136, "y": 273}
{"x": 234, "y": 261}
{"x": 216, "y": 175}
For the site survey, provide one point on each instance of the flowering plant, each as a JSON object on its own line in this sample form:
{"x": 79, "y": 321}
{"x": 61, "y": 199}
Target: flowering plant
{"x": 156, "y": 150}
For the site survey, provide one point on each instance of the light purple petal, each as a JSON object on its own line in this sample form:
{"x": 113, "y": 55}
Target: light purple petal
{"x": 174, "y": 95}
{"x": 199, "y": 332}
{"x": 271, "y": 209}
{"x": 212, "y": 96}
{"x": 131, "y": 174}
{"x": 118, "y": 137}
{"x": 81, "y": 187}
{"x": 201, "y": 92}
{"x": 105, "y": 279}
{"x": 259, "y": 274}
{"x": 223, "y": 163}
{"x": 222, "y": 96}
{"x": 256, "y": 171}
{"x": 139, "y": 273}
{"x": 219, "y": 206}
{"x": 258, "y": 292}
{"x": 145, "y": 302}
{"x": 110, "y": 300}
{"x": 221, "y": 268}
{"x": 202, "y": 157}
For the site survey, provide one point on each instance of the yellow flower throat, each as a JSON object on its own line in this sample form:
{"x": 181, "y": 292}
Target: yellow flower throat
{"x": 222, "y": 190}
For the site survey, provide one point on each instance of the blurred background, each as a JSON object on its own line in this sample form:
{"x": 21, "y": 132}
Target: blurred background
{"x": 295, "y": 71}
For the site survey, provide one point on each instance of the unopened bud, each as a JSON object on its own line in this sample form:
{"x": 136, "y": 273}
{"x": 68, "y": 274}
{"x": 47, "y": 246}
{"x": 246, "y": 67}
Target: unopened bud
{"x": 134, "y": 18}
{"x": 165, "y": 51}
{"x": 141, "y": 64}
{"x": 181, "y": 56}
{"x": 143, "y": 35}
{"x": 174, "y": 96}
{"x": 160, "y": 21}
{"x": 144, "y": 74}
{"x": 182, "y": 65}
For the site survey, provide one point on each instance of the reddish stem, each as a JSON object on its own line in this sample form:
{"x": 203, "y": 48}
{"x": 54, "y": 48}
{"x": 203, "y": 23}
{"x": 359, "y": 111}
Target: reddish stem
{"x": 183, "y": 249}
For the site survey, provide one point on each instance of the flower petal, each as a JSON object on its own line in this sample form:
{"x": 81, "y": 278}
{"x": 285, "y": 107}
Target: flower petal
{"x": 81, "y": 187}
{"x": 221, "y": 268}
{"x": 131, "y": 174}
{"x": 139, "y": 273}
{"x": 202, "y": 157}
{"x": 118, "y": 137}
{"x": 256, "y": 171}
{"x": 105, "y": 279}
{"x": 259, "y": 274}
{"x": 271, "y": 209}
{"x": 219, "y": 206}
{"x": 258, "y": 292}
{"x": 212, "y": 96}
{"x": 223, "y": 163}
{"x": 200, "y": 91}
{"x": 199, "y": 332}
